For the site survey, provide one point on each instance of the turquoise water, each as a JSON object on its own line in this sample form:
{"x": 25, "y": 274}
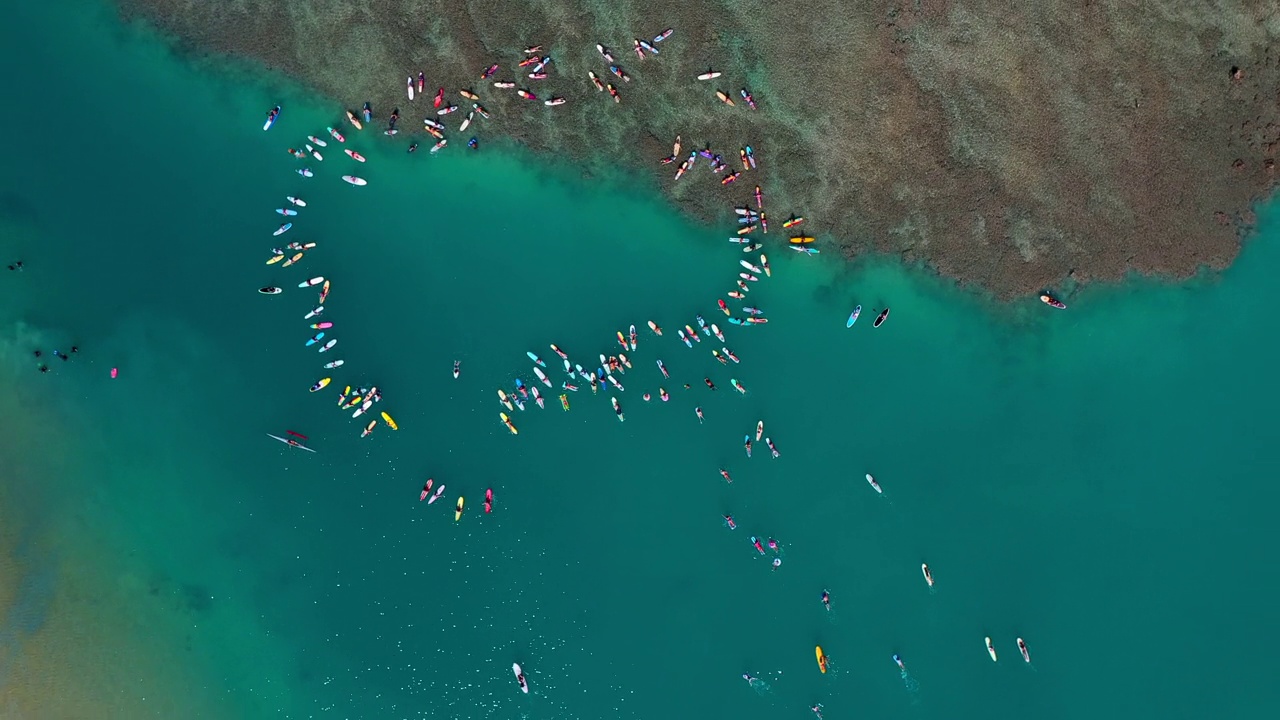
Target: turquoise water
{"x": 1096, "y": 481}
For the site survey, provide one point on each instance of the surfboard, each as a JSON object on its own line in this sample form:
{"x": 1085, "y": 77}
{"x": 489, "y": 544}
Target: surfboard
{"x": 329, "y": 345}
{"x": 357, "y": 181}
{"x": 275, "y": 259}
{"x": 390, "y": 423}
{"x": 457, "y": 510}
{"x": 270, "y": 290}
{"x": 283, "y": 229}
{"x": 821, "y": 657}
{"x": 853, "y": 317}
{"x": 334, "y": 364}
{"x": 271, "y": 118}
{"x": 321, "y": 384}
{"x": 312, "y": 282}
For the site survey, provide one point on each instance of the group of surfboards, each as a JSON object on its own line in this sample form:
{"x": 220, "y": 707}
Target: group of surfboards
{"x": 361, "y": 399}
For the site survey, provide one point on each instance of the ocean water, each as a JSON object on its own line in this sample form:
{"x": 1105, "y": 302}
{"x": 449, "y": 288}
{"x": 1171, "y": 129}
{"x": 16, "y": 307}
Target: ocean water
{"x": 1097, "y": 481}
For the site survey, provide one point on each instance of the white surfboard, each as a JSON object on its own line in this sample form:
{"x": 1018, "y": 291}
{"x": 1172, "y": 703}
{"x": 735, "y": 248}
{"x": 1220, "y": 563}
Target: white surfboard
{"x": 313, "y": 281}
{"x": 357, "y": 181}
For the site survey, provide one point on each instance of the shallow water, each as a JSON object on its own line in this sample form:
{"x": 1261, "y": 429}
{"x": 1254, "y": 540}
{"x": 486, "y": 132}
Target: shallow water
{"x": 1094, "y": 480}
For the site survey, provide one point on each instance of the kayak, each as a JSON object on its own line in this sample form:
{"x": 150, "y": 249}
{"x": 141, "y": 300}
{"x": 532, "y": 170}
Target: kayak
{"x": 759, "y": 430}
{"x": 928, "y": 576}
{"x": 457, "y": 510}
{"x": 874, "y": 485}
{"x": 822, "y": 658}
{"x": 991, "y": 649}
{"x": 312, "y": 282}
{"x": 291, "y": 443}
{"x": 436, "y": 496}
{"x": 524, "y": 686}
{"x": 315, "y": 339}
{"x": 1022, "y": 648}
{"x": 275, "y": 259}
{"x": 654, "y": 327}
{"x": 537, "y": 361}
{"x": 287, "y": 212}
{"x": 270, "y": 290}
{"x": 271, "y": 118}
{"x": 542, "y": 376}
{"x": 283, "y": 229}
{"x": 853, "y": 317}
{"x": 296, "y": 201}
{"x": 881, "y": 318}
{"x": 321, "y": 384}
{"x": 1051, "y": 301}
{"x": 507, "y": 421}
{"x": 354, "y": 155}
{"x": 357, "y": 181}
{"x": 390, "y": 423}
{"x": 334, "y": 364}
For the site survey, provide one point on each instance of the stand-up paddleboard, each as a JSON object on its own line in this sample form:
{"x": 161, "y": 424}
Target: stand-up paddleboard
{"x": 283, "y": 229}
{"x": 759, "y": 430}
{"x": 275, "y": 258}
{"x": 390, "y": 423}
{"x": 287, "y": 212}
{"x": 296, "y": 201}
{"x": 542, "y": 376}
{"x": 334, "y": 364}
{"x": 271, "y": 118}
{"x": 306, "y": 172}
{"x": 312, "y": 282}
{"x": 991, "y": 649}
{"x": 874, "y": 485}
{"x": 354, "y": 155}
{"x": 291, "y": 443}
{"x": 853, "y": 317}
{"x": 457, "y": 510}
{"x": 822, "y": 658}
{"x": 270, "y": 290}
{"x": 321, "y": 384}
{"x": 884, "y": 314}
{"x": 928, "y": 576}
{"x": 439, "y": 491}
{"x": 524, "y": 685}
{"x": 357, "y": 181}
{"x": 329, "y": 345}
{"x": 1022, "y": 648}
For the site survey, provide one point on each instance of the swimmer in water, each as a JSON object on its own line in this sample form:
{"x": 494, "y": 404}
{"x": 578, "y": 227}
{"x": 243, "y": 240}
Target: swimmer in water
{"x": 725, "y": 474}
{"x": 698, "y": 410}
{"x": 663, "y": 394}
{"x": 826, "y": 600}
{"x": 646, "y": 397}
{"x": 776, "y": 563}
{"x": 817, "y": 710}
{"x": 728, "y": 520}
{"x": 686, "y": 386}
{"x": 710, "y": 384}
{"x": 750, "y": 680}
{"x": 773, "y": 545}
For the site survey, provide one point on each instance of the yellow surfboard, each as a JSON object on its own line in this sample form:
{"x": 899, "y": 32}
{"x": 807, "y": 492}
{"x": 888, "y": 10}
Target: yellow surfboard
{"x": 275, "y": 259}
{"x": 457, "y": 512}
{"x": 390, "y": 423}
{"x": 822, "y": 658}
